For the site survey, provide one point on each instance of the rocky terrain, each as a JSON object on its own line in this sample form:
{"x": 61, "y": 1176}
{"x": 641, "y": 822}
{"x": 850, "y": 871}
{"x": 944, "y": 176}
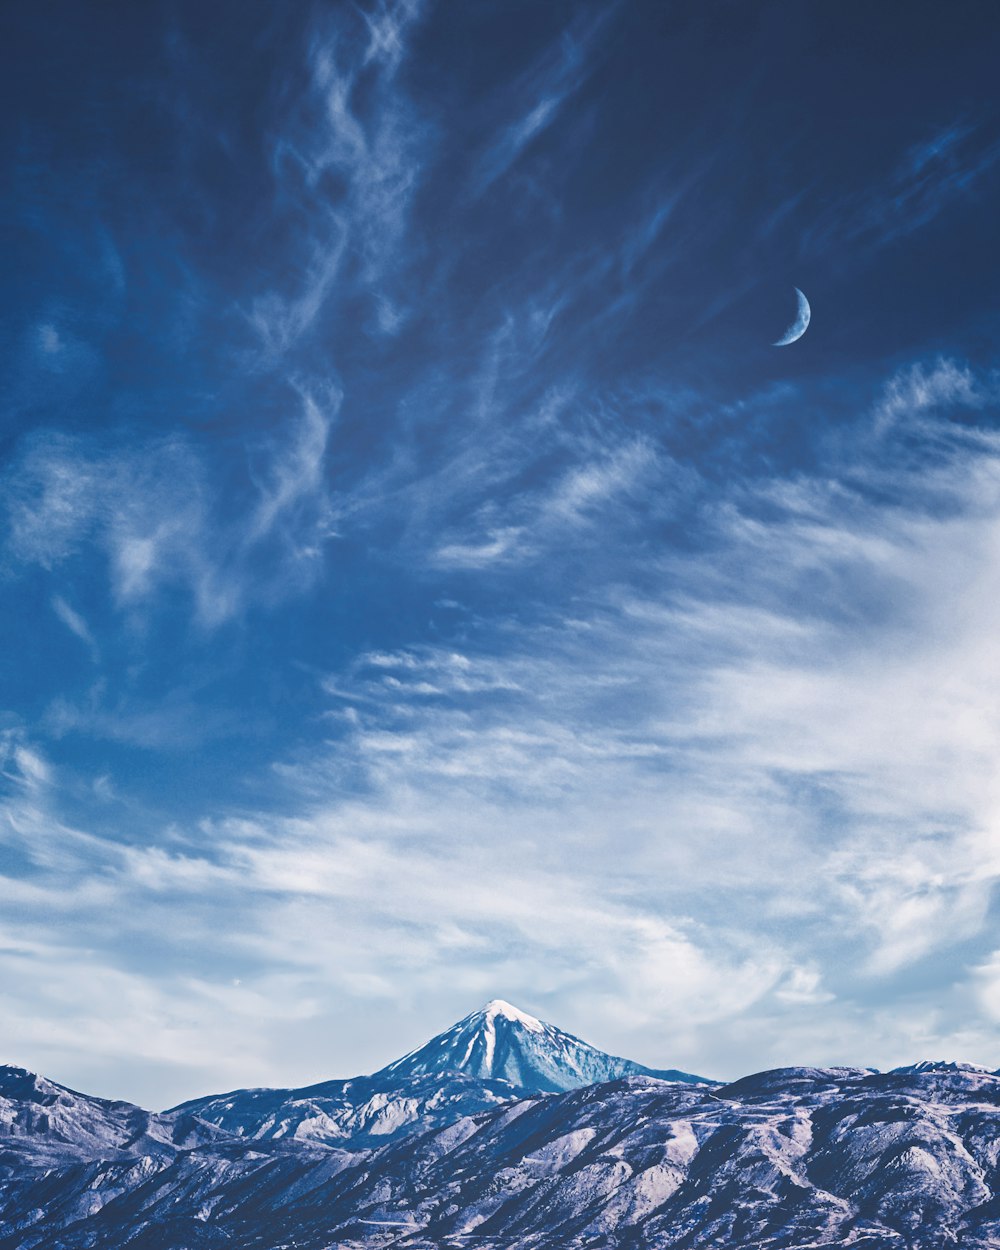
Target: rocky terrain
{"x": 412, "y": 1157}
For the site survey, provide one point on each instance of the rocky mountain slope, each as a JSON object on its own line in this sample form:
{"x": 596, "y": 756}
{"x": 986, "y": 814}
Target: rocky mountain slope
{"x": 42, "y": 1123}
{"x": 359, "y": 1114}
{"x": 793, "y": 1159}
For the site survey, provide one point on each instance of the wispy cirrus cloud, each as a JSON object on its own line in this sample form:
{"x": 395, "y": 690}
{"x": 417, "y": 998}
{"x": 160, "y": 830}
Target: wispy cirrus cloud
{"x": 531, "y": 523}
{"x": 545, "y": 87}
{"x": 346, "y": 163}
{"x": 922, "y": 388}
{"x": 75, "y": 623}
{"x": 928, "y": 178}
{"x": 293, "y": 494}
{"x": 155, "y": 511}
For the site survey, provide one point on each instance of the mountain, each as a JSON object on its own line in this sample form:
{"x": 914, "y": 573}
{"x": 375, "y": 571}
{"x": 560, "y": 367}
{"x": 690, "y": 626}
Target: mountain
{"x": 358, "y": 1114}
{"x": 490, "y": 1057}
{"x": 940, "y": 1065}
{"x": 43, "y": 1122}
{"x": 499, "y": 1042}
{"x": 791, "y": 1159}
{"x": 464, "y": 1142}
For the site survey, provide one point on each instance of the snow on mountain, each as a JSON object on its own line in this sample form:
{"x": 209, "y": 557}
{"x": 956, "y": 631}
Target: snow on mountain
{"x": 359, "y": 1114}
{"x": 500, "y": 1042}
{"x": 940, "y": 1065}
{"x": 42, "y": 1121}
{"x": 490, "y": 1057}
{"x": 464, "y": 1142}
{"x": 784, "y": 1160}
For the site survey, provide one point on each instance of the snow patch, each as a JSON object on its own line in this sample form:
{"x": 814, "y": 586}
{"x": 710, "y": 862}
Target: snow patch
{"x": 498, "y": 1007}
{"x": 556, "y": 1154}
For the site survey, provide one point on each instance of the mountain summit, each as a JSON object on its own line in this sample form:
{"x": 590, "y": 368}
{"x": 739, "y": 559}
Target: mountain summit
{"x": 501, "y": 1042}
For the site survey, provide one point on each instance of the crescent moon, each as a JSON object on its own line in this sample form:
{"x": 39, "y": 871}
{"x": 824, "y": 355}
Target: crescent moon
{"x": 799, "y": 325}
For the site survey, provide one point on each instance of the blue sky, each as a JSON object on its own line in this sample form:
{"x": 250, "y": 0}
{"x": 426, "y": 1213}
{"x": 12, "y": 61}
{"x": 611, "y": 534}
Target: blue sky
{"x": 423, "y": 581}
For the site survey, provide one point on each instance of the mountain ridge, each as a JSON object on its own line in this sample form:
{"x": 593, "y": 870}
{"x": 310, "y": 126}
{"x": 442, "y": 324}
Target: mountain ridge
{"x": 789, "y": 1159}
{"x": 41, "y": 1118}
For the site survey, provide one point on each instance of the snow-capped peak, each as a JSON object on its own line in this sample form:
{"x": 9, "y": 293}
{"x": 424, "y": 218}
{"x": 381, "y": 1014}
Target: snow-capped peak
{"x": 499, "y": 1007}
{"x": 501, "y": 1042}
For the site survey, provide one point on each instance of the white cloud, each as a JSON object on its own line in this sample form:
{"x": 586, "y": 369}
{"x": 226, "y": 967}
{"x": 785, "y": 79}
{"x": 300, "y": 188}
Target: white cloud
{"x": 927, "y": 178}
{"x": 546, "y": 86}
{"x": 590, "y": 486}
{"x": 803, "y": 986}
{"x": 157, "y": 515}
{"x": 34, "y": 771}
{"x": 49, "y": 340}
{"x": 496, "y": 545}
{"x": 370, "y": 138}
{"x": 295, "y": 470}
{"x": 920, "y": 389}
{"x": 51, "y": 502}
{"x": 74, "y": 622}
{"x": 388, "y": 24}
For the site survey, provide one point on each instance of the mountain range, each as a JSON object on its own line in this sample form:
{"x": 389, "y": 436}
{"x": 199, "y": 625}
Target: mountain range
{"x": 506, "y": 1133}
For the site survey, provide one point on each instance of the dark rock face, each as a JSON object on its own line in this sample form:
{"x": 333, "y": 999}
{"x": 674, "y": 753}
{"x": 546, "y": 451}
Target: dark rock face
{"x": 798, "y": 1158}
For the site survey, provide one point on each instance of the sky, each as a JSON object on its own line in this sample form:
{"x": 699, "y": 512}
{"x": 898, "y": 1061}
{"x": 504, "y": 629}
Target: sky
{"x": 422, "y": 579}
